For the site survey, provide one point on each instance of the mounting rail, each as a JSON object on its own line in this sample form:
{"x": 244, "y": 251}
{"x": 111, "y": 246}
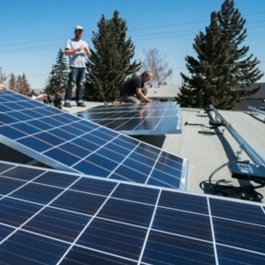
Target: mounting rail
{"x": 251, "y": 152}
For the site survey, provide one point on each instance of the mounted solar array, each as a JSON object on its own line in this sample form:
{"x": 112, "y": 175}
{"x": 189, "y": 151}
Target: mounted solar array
{"x": 51, "y": 217}
{"x": 138, "y": 119}
{"x": 65, "y": 141}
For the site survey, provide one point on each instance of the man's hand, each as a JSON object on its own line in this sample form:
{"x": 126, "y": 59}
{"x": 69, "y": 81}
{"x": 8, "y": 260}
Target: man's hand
{"x": 79, "y": 49}
{"x": 143, "y": 96}
{"x": 88, "y": 52}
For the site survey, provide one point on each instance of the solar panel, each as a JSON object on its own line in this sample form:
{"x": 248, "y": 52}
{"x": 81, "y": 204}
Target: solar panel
{"x": 65, "y": 141}
{"x": 53, "y": 217}
{"x": 138, "y": 119}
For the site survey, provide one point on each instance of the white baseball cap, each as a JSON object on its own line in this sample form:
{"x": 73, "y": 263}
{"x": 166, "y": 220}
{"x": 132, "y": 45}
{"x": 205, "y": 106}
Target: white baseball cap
{"x": 78, "y": 27}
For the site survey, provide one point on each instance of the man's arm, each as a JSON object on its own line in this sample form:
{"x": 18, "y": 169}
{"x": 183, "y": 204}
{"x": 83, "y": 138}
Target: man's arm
{"x": 88, "y": 52}
{"x": 142, "y": 96}
{"x": 68, "y": 51}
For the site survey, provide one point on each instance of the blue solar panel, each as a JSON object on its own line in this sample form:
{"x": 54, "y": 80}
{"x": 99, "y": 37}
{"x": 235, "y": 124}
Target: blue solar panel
{"x": 53, "y": 217}
{"x": 138, "y": 119}
{"x": 65, "y": 141}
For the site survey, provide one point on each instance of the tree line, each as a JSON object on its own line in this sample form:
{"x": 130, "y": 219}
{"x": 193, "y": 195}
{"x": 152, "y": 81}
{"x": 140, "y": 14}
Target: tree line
{"x": 220, "y": 74}
{"x": 17, "y": 83}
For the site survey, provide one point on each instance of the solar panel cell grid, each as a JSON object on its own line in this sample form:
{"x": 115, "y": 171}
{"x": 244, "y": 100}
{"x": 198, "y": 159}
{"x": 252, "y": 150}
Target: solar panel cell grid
{"x": 48, "y": 218}
{"x": 28, "y": 248}
{"x": 121, "y": 239}
{"x": 138, "y": 119}
{"x": 58, "y": 224}
{"x": 80, "y": 256}
{"x": 65, "y": 141}
{"x": 4, "y": 167}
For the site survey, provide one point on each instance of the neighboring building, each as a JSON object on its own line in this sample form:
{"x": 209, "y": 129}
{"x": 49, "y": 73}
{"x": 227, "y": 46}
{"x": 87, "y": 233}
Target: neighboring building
{"x": 169, "y": 92}
{"x": 164, "y": 92}
{"x": 256, "y": 100}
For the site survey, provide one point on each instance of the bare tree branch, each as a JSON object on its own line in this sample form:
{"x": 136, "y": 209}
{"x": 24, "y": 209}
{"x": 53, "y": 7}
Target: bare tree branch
{"x": 157, "y": 65}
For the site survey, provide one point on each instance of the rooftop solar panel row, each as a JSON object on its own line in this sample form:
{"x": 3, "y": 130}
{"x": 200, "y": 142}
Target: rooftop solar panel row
{"x": 53, "y": 217}
{"x": 65, "y": 141}
{"x": 138, "y": 119}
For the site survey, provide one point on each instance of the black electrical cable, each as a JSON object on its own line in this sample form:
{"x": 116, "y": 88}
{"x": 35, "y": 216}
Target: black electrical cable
{"x": 223, "y": 188}
{"x": 197, "y": 124}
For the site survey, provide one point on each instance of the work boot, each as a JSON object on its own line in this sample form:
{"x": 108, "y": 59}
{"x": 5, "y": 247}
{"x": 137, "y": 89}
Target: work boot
{"x": 81, "y": 104}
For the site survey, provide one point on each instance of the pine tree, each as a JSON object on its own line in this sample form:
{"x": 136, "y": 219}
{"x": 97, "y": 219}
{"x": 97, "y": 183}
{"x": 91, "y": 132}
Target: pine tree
{"x": 13, "y": 82}
{"x": 110, "y": 63}
{"x": 222, "y": 71}
{"x": 3, "y": 76}
{"x": 58, "y": 78}
{"x": 19, "y": 84}
{"x": 22, "y": 85}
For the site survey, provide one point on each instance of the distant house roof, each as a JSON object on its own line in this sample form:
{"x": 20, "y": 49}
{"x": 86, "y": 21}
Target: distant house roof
{"x": 171, "y": 91}
{"x": 164, "y": 91}
{"x": 256, "y": 100}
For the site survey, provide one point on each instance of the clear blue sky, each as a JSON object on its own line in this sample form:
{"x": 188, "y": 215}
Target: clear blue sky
{"x": 33, "y": 31}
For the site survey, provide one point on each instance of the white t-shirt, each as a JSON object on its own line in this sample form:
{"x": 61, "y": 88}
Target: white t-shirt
{"x": 78, "y": 59}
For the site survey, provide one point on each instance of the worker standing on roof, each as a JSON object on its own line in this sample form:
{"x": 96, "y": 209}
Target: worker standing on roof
{"x": 76, "y": 49}
{"x": 134, "y": 90}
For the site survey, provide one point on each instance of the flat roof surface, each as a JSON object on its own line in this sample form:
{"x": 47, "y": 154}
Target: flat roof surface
{"x": 208, "y": 149}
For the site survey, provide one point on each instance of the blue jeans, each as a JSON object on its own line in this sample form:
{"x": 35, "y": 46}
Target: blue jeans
{"x": 76, "y": 79}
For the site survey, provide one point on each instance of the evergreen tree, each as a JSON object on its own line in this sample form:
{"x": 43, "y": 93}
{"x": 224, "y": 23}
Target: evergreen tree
{"x": 13, "y": 82}
{"x": 22, "y": 85}
{"x": 109, "y": 64}
{"x": 3, "y": 76}
{"x": 19, "y": 84}
{"x": 58, "y": 78}
{"x": 222, "y": 71}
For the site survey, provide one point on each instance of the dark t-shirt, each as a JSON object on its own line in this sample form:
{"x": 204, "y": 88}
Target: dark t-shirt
{"x": 130, "y": 85}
